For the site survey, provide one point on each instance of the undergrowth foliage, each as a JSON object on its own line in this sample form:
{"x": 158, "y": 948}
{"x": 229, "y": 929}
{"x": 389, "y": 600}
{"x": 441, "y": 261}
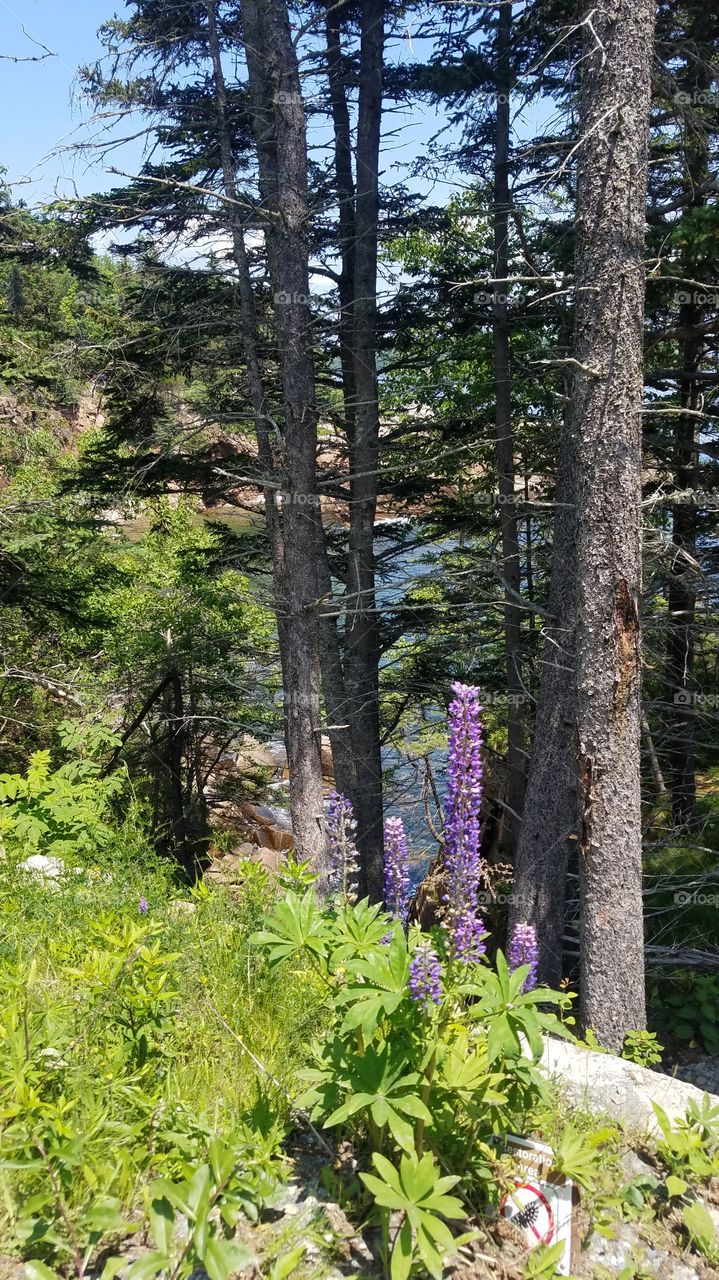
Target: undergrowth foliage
{"x": 153, "y": 1047}
{"x": 128, "y": 1115}
{"x": 423, "y": 1084}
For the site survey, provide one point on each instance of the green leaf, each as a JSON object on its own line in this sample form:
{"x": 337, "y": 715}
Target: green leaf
{"x": 105, "y": 1217}
{"x": 175, "y": 1192}
{"x": 287, "y": 1263}
{"x": 414, "y": 1106}
{"x": 162, "y": 1220}
{"x": 198, "y": 1192}
{"x": 675, "y": 1186}
{"x": 383, "y": 1194}
{"x": 402, "y": 1253}
{"x": 112, "y": 1267}
{"x": 429, "y": 1253}
{"x": 295, "y": 926}
{"x": 149, "y": 1265}
{"x": 502, "y": 1042}
{"x": 700, "y": 1226}
{"x": 222, "y": 1258}
{"x": 36, "y": 1270}
{"x": 401, "y": 1130}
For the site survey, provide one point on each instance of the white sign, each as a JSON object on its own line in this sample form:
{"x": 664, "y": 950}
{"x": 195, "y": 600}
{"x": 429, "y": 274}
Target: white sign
{"x": 540, "y": 1202}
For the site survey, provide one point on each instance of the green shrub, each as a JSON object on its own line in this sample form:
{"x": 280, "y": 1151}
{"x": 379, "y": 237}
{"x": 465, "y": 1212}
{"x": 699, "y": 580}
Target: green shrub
{"x": 433, "y": 1085}
{"x": 118, "y": 1080}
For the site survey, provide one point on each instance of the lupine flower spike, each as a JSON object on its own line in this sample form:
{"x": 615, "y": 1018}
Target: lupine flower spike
{"x": 143, "y": 906}
{"x": 523, "y": 950}
{"x": 464, "y": 798}
{"x": 396, "y": 870}
{"x": 425, "y": 976}
{"x": 468, "y": 938}
{"x": 344, "y": 858}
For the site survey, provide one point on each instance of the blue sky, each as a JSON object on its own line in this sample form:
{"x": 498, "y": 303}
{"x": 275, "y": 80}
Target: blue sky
{"x": 40, "y": 114}
{"x": 37, "y": 112}
{"x": 41, "y": 117}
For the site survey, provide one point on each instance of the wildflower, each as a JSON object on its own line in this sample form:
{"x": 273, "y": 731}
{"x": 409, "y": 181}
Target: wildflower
{"x": 523, "y": 950}
{"x": 425, "y": 976}
{"x": 468, "y": 938}
{"x": 396, "y": 870}
{"x": 464, "y": 798}
{"x": 143, "y": 906}
{"x": 344, "y": 858}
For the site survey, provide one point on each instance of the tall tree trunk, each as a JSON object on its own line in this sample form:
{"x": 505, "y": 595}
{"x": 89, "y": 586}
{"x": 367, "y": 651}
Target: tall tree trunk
{"x": 332, "y": 676}
{"x": 503, "y": 420}
{"x": 361, "y": 635}
{"x": 609, "y": 282}
{"x": 279, "y": 121}
{"x": 551, "y": 809}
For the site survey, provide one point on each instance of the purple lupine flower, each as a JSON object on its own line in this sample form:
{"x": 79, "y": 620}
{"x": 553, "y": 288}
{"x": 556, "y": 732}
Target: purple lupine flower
{"x": 468, "y": 938}
{"x": 464, "y": 798}
{"x": 143, "y": 906}
{"x": 523, "y": 950}
{"x": 344, "y": 858}
{"x": 396, "y": 870}
{"x": 425, "y": 976}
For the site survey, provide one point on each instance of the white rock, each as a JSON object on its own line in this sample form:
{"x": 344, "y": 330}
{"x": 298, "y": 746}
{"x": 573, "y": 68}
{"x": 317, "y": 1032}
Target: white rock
{"x": 181, "y": 907}
{"x": 603, "y": 1082}
{"x": 39, "y": 864}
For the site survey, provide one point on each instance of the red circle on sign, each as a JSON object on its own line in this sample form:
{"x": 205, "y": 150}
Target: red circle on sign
{"x": 539, "y": 1195}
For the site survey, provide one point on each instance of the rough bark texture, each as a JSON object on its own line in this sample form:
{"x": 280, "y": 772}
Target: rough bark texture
{"x": 505, "y": 441}
{"x": 282, "y": 152}
{"x": 333, "y": 674}
{"x": 361, "y": 635}
{"x": 611, "y": 210}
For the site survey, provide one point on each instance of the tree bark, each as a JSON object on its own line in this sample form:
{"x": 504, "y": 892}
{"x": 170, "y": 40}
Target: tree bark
{"x": 333, "y": 673}
{"x": 504, "y": 436}
{"x": 330, "y": 660}
{"x": 279, "y": 122}
{"x": 609, "y": 280}
{"x": 361, "y": 632}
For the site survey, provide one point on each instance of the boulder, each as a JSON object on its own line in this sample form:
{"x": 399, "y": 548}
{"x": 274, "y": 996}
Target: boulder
{"x": 39, "y": 864}
{"x": 605, "y": 1083}
{"x": 271, "y": 859}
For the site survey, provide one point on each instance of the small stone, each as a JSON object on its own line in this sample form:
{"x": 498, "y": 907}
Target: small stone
{"x": 244, "y": 850}
{"x": 612, "y": 1253}
{"x": 633, "y": 1166}
{"x": 181, "y": 907}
